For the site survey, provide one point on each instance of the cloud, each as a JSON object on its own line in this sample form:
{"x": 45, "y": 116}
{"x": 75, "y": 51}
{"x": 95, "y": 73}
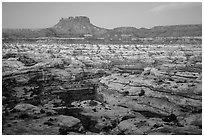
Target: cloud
{"x": 174, "y": 6}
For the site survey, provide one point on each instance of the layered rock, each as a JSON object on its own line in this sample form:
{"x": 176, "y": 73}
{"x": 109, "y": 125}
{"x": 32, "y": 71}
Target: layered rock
{"x": 101, "y": 89}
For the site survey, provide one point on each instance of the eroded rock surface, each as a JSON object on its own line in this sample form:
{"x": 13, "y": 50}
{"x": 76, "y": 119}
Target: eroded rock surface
{"x": 57, "y": 88}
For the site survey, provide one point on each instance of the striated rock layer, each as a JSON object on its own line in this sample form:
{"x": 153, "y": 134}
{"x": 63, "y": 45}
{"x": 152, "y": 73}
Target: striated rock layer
{"x": 53, "y": 88}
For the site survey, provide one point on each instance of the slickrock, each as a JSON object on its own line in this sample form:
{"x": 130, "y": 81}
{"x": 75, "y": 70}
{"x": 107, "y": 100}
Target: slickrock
{"x": 101, "y": 88}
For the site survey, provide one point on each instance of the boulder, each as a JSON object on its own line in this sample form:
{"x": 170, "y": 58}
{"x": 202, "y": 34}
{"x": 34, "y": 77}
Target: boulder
{"x": 128, "y": 127}
{"x": 67, "y": 124}
{"x": 28, "y": 108}
{"x": 103, "y": 124}
{"x": 11, "y": 65}
{"x": 67, "y": 121}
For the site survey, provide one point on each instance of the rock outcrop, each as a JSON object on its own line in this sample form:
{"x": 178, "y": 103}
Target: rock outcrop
{"x": 77, "y": 26}
{"x": 106, "y": 89}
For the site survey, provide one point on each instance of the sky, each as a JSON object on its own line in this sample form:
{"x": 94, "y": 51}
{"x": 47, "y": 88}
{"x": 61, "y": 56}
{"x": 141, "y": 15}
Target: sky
{"x": 107, "y": 15}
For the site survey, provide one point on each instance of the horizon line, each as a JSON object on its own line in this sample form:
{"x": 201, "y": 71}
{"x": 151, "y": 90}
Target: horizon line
{"x": 115, "y": 27}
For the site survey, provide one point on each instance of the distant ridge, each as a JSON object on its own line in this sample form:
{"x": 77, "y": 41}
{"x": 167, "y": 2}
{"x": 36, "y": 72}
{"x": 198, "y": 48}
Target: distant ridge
{"x": 80, "y": 26}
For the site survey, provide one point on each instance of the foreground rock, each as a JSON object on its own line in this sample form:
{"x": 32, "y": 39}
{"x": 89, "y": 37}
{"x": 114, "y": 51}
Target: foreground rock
{"x": 27, "y": 108}
{"x": 58, "y": 88}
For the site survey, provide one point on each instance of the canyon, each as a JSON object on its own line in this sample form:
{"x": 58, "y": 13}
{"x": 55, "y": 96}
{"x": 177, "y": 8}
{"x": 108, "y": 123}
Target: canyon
{"x": 133, "y": 85}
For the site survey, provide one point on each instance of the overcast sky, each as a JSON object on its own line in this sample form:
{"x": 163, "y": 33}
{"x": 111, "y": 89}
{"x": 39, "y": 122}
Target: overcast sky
{"x": 107, "y": 15}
